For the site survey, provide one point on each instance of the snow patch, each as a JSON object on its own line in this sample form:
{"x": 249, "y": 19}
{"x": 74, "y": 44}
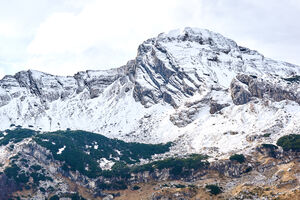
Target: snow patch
{"x": 61, "y": 150}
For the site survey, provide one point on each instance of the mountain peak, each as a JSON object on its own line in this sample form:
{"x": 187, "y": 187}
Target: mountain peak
{"x": 198, "y": 35}
{"x": 191, "y": 86}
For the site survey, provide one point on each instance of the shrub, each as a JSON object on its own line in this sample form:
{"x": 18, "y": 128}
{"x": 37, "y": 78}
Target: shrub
{"x": 36, "y": 167}
{"x": 269, "y": 146}
{"x": 177, "y": 166}
{"x": 42, "y": 190}
{"x": 180, "y": 186}
{"x": 37, "y": 177}
{"x": 238, "y": 157}
{"x": 289, "y": 142}
{"x": 55, "y": 197}
{"x": 266, "y": 135}
{"x": 27, "y": 187}
{"x": 22, "y": 178}
{"x": 214, "y": 189}
{"x": 16, "y": 136}
{"x": 293, "y": 79}
{"x": 271, "y": 149}
{"x": 80, "y": 152}
{"x": 12, "y": 172}
{"x": 136, "y": 187}
{"x": 248, "y": 169}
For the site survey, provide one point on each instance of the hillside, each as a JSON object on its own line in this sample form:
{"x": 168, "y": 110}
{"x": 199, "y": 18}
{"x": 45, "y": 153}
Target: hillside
{"x": 83, "y": 165}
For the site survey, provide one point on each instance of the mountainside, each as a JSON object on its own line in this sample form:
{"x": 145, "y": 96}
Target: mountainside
{"x": 78, "y": 165}
{"x": 193, "y": 87}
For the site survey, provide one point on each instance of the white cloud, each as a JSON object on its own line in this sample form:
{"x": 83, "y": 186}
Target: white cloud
{"x": 105, "y": 34}
{"x": 8, "y": 29}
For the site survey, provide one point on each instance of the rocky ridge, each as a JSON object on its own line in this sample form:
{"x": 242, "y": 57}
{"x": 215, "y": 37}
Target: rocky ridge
{"x": 188, "y": 86}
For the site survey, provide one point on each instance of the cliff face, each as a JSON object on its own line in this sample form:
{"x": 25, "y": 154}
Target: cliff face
{"x": 190, "y": 86}
{"x": 253, "y": 87}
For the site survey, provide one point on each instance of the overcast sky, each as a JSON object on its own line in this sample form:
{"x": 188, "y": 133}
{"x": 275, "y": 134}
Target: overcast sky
{"x": 65, "y": 36}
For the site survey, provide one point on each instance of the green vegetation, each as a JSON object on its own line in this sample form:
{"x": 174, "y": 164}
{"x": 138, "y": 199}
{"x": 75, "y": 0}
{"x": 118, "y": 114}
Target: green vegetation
{"x": 290, "y": 142}
{"x": 15, "y": 136}
{"x": 37, "y": 177}
{"x": 42, "y": 190}
{"x": 55, "y": 197}
{"x": 293, "y": 79}
{"x": 214, "y": 189}
{"x": 271, "y": 149}
{"x": 180, "y": 186}
{"x": 248, "y": 169}
{"x": 269, "y": 146}
{"x": 82, "y": 150}
{"x": 136, "y": 187}
{"x": 36, "y": 167}
{"x": 20, "y": 177}
{"x": 13, "y": 173}
{"x": 238, "y": 157}
{"x": 177, "y": 166}
{"x": 266, "y": 135}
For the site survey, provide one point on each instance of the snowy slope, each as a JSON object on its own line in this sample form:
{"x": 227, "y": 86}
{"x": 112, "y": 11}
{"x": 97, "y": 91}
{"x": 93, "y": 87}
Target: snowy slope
{"x": 191, "y": 86}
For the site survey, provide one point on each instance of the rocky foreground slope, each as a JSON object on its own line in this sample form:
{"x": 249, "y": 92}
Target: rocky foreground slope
{"x": 81, "y": 165}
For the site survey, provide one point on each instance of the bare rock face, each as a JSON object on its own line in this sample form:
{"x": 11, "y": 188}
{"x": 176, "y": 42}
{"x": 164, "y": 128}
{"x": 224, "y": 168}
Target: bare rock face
{"x": 96, "y": 81}
{"x": 239, "y": 93}
{"x": 244, "y": 87}
{"x": 216, "y": 107}
{"x": 4, "y": 98}
{"x": 185, "y": 116}
{"x": 163, "y": 77}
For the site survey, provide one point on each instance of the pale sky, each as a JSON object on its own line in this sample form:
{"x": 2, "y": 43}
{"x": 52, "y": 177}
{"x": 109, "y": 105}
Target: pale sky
{"x": 65, "y": 36}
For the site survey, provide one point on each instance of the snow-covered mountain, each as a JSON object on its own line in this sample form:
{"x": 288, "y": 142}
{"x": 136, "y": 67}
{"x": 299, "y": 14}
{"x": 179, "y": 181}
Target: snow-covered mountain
{"x": 192, "y": 86}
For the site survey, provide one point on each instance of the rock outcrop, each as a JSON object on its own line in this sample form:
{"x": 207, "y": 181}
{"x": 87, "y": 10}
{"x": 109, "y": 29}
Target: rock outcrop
{"x": 245, "y": 86}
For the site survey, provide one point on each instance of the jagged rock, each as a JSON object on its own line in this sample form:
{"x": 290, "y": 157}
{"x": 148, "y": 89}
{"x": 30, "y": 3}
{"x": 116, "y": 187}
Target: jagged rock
{"x": 260, "y": 88}
{"x": 215, "y": 107}
{"x": 229, "y": 168}
{"x": 4, "y": 98}
{"x": 239, "y": 93}
{"x": 186, "y": 116}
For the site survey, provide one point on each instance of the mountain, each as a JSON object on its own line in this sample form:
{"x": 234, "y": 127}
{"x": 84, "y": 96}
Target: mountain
{"x": 194, "y": 87}
{"x": 192, "y": 116}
